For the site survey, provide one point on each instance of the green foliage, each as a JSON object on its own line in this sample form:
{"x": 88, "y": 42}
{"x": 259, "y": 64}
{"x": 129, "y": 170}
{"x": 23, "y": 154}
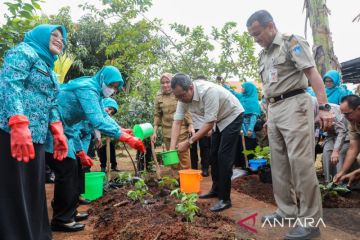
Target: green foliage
{"x": 140, "y": 191}
{"x": 168, "y": 182}
{"x": 187, "y": 207}
{"x": 237, "y": 58}
{"x": 20, "y": 18}
{"x": 123, "y": 178}
{"x": 191, "y": 52}
{"x": 259, "y": 153}
{"x": 334, "y": 189}
{"x": 177, "y": 193}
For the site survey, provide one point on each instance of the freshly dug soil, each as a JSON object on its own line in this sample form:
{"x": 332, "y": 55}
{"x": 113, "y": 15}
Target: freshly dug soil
{"x": 251, "y": 185}
{"x": 115, "y": 216}
{"x": 341, "y": 212}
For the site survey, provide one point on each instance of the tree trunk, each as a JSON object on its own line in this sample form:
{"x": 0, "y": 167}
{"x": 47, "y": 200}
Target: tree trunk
{"x": 323, "y": 50}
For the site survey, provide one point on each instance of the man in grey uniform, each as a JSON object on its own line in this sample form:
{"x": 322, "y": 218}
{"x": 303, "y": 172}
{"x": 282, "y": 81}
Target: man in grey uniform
{"x": 285, "y": 65}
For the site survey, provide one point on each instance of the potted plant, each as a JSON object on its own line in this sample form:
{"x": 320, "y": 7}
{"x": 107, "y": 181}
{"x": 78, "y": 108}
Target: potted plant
{"x": 261, "y": 162}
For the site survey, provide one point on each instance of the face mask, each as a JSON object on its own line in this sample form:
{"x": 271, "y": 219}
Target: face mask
{"x": 107, "y": 92}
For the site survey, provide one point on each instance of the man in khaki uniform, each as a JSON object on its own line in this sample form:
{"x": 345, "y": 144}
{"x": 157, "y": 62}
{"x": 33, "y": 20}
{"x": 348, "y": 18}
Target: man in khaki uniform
{"x": 350, "y": 107}
{"x": 285, "y": 65}
{"x": 165, "y": 107}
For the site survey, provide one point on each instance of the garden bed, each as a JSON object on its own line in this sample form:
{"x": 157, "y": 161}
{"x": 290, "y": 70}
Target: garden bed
{"x": 251, "y": 185}
{"x": 115, "y": 216}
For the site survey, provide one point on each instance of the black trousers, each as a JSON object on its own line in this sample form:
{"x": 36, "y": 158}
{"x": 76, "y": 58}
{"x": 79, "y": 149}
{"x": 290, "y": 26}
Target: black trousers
{"x": 81, "y": 177}
{"x": 250, "y": 144}
{"x": 66, "y": 192}
{"x": 23, "y": 210}
{"x": 223, "y": 153}
{"x": 204, "y": 145}
{"x": 102, "y": 155}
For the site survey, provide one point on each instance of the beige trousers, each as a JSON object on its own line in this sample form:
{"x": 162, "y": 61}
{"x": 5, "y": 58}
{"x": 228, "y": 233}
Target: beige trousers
{"x": 291, "y": 138}
{"x": 184, "y": 156}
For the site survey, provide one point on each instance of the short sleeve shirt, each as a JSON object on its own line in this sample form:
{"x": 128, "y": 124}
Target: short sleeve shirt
{"x": 354, "y": 131}
{"x": 213, "y": 102}
{"x": 281, "y": 65}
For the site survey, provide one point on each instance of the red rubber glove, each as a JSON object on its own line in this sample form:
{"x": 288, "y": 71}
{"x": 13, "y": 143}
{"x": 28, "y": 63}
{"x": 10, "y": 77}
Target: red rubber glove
{"x": 133, "y": 142}
{"x": 85, "y": 160}
{"x": 129, "y": 131}
{"x": 60, "y": 143}
{"x": 22, "y": 147}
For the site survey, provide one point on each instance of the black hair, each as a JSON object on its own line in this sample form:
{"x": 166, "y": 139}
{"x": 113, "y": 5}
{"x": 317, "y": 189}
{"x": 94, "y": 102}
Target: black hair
{"x": 262, "y": 16}
{"x": 352, "y": 100}
{"x": 201, "y": 77}
{"x": 181, "y": 80}
{"x": 219, "y": 78}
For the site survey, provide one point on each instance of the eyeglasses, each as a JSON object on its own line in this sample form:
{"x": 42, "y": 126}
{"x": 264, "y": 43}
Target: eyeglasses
{"x": 57, "y": 36}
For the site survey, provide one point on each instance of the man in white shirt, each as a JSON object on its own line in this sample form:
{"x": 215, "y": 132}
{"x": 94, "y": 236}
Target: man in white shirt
{"x": 222, "y": 112}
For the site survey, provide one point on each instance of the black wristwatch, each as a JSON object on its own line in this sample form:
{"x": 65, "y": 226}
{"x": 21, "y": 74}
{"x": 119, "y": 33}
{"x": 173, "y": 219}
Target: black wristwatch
{"x": 325, "y": 107}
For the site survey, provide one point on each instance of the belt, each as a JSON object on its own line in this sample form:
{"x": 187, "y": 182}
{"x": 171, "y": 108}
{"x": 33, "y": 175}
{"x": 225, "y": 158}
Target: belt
{"x": 286, "y": 95}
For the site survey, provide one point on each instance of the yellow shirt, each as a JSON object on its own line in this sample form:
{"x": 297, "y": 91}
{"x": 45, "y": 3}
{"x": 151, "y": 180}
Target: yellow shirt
{"x": 165, "y": 107}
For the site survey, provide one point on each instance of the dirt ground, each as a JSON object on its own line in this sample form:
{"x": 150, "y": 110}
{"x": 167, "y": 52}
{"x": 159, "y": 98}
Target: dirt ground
{"x": 340, "y": 223}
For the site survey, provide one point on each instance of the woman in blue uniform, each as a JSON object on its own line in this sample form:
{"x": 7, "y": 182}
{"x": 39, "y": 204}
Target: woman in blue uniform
{"x": 81, "y": 100}
{"x": 28, "y": 89}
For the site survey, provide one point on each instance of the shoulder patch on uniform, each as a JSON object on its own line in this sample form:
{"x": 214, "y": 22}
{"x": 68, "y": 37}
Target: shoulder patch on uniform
{"x": 292, "y": 41}
{"x": 297, "y": 49}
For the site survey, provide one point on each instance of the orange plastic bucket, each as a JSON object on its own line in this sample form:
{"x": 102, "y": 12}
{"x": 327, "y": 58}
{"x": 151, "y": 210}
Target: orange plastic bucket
{"x": 190, "y": 180}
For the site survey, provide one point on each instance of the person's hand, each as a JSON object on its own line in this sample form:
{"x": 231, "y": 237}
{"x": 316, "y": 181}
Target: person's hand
{"x": 133, "y": 142}
{"x": 22, "y": 147}
{"x": 326, "y": 119}
{"x": 191, "y": 130}
{"x": 338, "y": 176}
{"x": 209, "y": 133}
{"x": 351, "y": 177}
{"x": 60, "y": 142}
{"x": 129, "y": 131}
{"x": 98, "y": 143}
{"x": 183, "y": 146}
{"x": 85, "y": 160}
{"x": 153, "y": 138}
{"x": 249, "y": 133}
{"x": 335, "y": 157}
{"x": 265, "y": 127}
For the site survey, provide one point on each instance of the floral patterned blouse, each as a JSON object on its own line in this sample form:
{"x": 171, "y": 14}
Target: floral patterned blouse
{"x": 28, "y": 87}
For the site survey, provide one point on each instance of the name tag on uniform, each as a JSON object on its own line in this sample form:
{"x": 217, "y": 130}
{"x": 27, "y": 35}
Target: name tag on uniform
{"x": 273, "y": 75}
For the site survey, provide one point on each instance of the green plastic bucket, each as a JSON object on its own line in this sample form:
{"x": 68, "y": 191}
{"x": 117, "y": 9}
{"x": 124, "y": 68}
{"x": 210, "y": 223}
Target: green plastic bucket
{"x": 94, "y": 182}
{"x": 143, "y": 130}
{"x": 170, "y": 157}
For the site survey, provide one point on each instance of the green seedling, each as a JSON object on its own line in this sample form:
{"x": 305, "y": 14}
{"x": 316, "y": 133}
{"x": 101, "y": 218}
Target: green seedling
{"x": 188, "y": 207}
{"x": 177, "y": 193}
{"x": 140, "y": 192}
{"x": 259, "y": 153}
{"x": 168, "y": 182}
{"x": 333, "y": 189}
{"x": 123, "y": 178}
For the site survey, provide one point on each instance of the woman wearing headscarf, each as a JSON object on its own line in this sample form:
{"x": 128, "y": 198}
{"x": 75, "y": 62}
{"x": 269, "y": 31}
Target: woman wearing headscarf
{"x": 334, "y": 92}
{"x": 79, "y": 100}
{"x": 249, "y": 100}
{"x": 165, "y": 107}
{"x": 28, "y": 108}
{"x": 111, "y": 107}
